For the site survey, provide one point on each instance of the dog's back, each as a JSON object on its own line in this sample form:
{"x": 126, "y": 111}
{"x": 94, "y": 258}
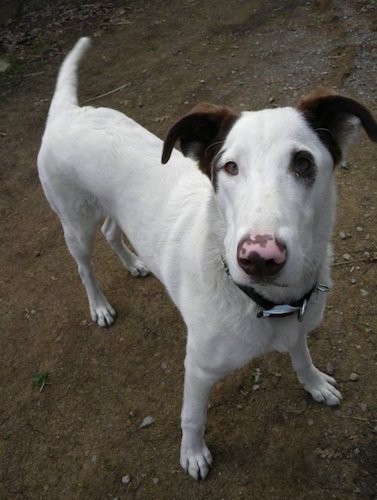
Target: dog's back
{"x": 97, "y": 162}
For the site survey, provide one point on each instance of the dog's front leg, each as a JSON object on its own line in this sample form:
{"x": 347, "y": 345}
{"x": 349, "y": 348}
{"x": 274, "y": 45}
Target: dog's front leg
{"x": 196, "y": 459}
{"x": 319, "y": 384}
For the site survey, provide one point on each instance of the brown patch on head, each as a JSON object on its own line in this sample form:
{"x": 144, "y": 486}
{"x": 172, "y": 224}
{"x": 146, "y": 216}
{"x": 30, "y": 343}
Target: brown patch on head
{"x": 201, "y": 133}
{"x": 334, "y": 119}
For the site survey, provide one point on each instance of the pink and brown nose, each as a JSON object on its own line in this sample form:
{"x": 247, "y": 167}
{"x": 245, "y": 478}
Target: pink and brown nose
{"x": 261, "y": 255}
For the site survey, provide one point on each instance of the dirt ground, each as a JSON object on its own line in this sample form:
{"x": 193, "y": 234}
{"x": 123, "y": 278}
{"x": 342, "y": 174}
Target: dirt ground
{"x": 77, "y": 436}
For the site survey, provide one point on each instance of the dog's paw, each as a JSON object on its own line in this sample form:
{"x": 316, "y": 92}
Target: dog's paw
{"x": 103, "y": 315}
{"x": 196, "y": 462}
{"x": 138, "y": 268}
{"x": 321, "y": 387}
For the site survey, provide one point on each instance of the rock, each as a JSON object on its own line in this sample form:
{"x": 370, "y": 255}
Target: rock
{"x": 329, "y": 369}
{"x": 353, "y": 281}
{"x": 346, "y": 256}
{"x": 359, "y": 229}
{"x": 147, "y": 422}
{"x": 346, "y": 165}
{"x": 344, "y": 236}
{"x": 126, "y": 479}
{"x": 4, "y": 65}
{"x": 364, "y": 292}
{"x": 353, "y": 377}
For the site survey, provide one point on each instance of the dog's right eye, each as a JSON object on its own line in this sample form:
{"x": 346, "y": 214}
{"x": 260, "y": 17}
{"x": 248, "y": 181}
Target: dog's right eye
{"x": 231, "y": 168}
{"x": 303, "y": 166}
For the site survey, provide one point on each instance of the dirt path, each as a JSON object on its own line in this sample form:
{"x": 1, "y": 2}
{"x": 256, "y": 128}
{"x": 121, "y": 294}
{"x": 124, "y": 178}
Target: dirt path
{"x": 80, "y": 435}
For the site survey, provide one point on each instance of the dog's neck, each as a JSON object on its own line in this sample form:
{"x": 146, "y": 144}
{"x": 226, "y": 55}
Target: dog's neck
{"x": 270, "y": 309}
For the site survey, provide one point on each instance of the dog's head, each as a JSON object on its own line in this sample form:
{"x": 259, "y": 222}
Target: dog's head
{"x": 272, "y": 172}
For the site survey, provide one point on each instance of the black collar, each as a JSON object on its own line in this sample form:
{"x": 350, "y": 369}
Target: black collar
{"x": 273, "y": 309}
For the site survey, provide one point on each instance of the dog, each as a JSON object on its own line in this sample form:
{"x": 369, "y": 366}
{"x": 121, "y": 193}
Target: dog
{"x": 236, "y": 226}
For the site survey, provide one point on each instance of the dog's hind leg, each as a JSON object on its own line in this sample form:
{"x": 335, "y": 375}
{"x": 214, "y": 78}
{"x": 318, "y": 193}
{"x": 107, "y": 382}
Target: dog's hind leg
{"x": 113, "y": 235}
{"x": 80, "y": 244}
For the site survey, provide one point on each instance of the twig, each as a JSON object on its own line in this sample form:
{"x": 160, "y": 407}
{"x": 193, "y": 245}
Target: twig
{"x": 357, "y": 418}
{"x": 5, "y": 419}
{"x": 368, "y": 260}
{"x": 106, "y": 93}
{"x": 38, "y": 73}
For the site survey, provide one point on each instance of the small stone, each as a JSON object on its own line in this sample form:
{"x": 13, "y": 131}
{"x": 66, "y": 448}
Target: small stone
{"x": 147, "y": 422}
{"x": 310, "y": 422}
{"x": 346, "y": 256}
{"x": 155, "y": 480}
{"x": 353, "y": 281}
{"x": 353, "y": 377}
{"x": 363, "y": 407}
{"x": 329, "y": 369}
{"x": 364, "y": 292}
{"x": 356, "y": 451}
{"x": 126, "y": 479}
{"x": 345, "y": 164}
{"x": 4, "y": 65}
{"x": 375, "y": 429}
{"x": 255, "y": 387}
{"x": 359, "y": 229}
{"x": 344, "y": 236}
{"x": 164, "y": 366}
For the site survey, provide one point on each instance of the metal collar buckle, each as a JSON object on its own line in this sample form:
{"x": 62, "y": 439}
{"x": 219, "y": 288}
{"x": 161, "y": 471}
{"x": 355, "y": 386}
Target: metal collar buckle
{"x": 282, "y": 310}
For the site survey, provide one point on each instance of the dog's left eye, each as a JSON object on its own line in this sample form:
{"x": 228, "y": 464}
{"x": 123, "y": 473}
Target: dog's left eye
{"x": 303, "y": 165}
{"x": 231, "y": 168}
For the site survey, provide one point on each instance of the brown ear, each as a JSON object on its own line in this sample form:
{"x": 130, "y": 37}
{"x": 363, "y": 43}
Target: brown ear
{"x": 336, "y": 120}
{"x": 201, "y": 133}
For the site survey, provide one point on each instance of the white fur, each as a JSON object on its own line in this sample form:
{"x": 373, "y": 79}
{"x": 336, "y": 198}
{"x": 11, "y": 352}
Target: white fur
{"x": 97, "y": 163}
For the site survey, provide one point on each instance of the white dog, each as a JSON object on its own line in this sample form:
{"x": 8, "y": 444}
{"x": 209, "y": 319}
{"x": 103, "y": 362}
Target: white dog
{"x": 242, "y": 250}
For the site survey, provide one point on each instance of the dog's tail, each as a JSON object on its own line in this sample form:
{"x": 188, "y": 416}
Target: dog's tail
{"x": 66, "y": 86}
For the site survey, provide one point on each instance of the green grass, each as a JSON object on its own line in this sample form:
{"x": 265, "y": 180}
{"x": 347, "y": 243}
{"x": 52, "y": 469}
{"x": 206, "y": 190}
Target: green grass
{"x": 40, "y": 379}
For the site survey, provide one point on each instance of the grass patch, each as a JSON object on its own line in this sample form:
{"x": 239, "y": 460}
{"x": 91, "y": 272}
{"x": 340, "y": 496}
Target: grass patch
{"x": 40, "y": 379}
